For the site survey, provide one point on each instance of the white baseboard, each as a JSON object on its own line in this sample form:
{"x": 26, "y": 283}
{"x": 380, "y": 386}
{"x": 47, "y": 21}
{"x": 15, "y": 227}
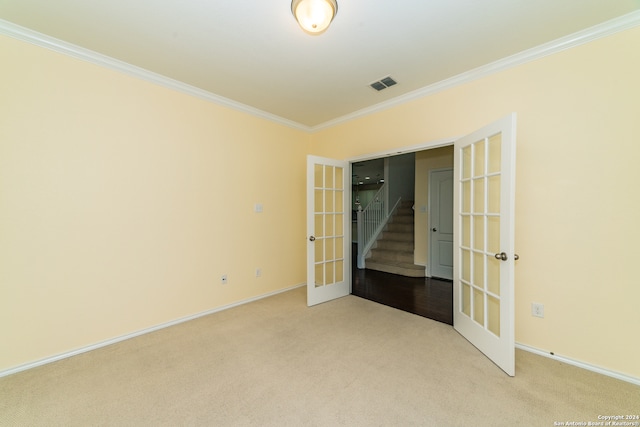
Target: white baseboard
{"x": 579, "y": 364}
{"x": 26, "y": 366}
{"x": 101, "y": 344}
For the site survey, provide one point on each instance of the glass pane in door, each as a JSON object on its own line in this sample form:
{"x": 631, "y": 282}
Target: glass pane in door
{"x": 319, "y": 275}
{"x": 478, "y": 306}
{"x": 328, "y": 200}
{"x": 319, "y": 250}
{"x": 478, "y": 158}
{"x": 479, "y": 232}
{"x": 495, "y": 155}
{"x": 318, "y": 174}
{"x": 466, "y": 300}
{"x": 478, "y": 195}
{"x": 329, "y": 224}
{"x": 493, "y": 315}
{"x": 466, "y": 162}
{"x": 339, "y": 271}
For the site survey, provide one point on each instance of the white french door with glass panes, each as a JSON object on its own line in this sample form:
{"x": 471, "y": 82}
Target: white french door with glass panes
{"x": 328, "y": 218}
{"x": 484, "y": 205}
{"x": 483, "y": 237}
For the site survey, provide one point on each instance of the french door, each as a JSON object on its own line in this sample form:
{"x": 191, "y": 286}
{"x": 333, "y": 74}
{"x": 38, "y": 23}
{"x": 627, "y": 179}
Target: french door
{"x": 328, "y": 219}
{"x": 483, "y": 279}
{"x": 483, "y": 237}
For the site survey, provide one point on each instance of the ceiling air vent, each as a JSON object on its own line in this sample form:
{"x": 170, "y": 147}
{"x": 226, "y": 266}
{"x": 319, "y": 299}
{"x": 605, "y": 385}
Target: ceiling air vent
{"x": 383, "y": 83}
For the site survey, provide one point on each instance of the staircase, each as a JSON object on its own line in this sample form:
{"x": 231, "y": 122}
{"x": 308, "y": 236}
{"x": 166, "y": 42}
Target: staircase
{"x": 393, "y": 251}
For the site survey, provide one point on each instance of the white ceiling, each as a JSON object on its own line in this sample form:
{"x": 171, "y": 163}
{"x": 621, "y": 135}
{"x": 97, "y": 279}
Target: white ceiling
{"x": 253, "y": 52}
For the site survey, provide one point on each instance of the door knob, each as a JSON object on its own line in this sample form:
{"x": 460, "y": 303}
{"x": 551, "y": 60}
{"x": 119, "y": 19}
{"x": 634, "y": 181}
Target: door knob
{"x": 434, "y": 229}
{"x": 312, "y": 239}
{"x": 516, "y": 257}
{"x": 502, "y": 256}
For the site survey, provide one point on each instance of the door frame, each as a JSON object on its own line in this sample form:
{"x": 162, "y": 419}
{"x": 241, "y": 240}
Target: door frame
{"x": 429, "y": 145}
{"x": 445, "y": 142}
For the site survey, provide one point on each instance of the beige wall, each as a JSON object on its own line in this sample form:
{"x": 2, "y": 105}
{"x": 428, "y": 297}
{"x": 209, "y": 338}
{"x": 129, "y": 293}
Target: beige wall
{"x": 577, "y": 208}
{"x": 122, "y": 203}
{"x": 426, "y": 161}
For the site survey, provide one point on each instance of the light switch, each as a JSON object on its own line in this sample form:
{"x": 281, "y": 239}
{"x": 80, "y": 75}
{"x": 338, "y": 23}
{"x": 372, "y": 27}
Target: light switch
{"x": 258, "y": 208}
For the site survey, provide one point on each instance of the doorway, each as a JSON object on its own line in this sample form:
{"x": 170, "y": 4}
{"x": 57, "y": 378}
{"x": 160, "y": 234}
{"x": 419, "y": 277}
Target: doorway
{"x": 425, "y": 296}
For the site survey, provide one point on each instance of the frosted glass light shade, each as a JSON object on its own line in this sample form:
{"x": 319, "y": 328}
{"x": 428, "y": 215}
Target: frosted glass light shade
{"x": 314, "y": 16}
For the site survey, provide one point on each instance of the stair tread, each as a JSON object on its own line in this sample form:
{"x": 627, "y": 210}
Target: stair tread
{"x": 391, "y": 257}
{"x": 404, "y": 269}
{"x": 392, "y": 251}
{"x": 399, "y": 247}
{"x": 391, "y": 232}
{"x": 395, "y": 245}
{"x": 406, "y": 265}
{"x": 391, "y": 236}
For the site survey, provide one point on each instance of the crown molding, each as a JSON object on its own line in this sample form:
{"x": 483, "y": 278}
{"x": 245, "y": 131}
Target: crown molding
{"x": 24, "y": 34}
{"x": 624, "y": 22}
{"x": 604, "y": 29}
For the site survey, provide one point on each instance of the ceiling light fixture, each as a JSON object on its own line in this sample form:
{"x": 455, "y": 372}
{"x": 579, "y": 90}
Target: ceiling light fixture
{"x": 314, "y": 16}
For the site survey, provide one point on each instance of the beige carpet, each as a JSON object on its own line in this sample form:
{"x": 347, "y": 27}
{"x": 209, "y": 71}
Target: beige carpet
{"x": 275, "y": 362}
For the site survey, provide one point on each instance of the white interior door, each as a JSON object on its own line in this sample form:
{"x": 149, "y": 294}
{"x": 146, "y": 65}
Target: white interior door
{"x": 328, "y": 218}
{"x": 441, "y": 223}
{"x": 484, "y": 190}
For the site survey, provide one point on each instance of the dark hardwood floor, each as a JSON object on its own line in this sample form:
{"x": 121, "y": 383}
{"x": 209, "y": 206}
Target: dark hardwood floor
{"x": 427, "y": 297}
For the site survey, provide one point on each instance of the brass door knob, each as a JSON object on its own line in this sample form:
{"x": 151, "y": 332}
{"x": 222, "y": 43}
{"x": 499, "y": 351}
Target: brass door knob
{"x": 502, "y": 256}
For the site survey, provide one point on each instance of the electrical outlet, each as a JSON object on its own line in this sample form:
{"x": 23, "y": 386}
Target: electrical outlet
{"x": 224, "y": 279}
{"x": 537, "y": 309}
{"x": 258, "y": 272}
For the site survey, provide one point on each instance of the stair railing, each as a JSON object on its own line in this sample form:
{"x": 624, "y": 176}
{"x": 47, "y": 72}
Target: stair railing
{"x": 371, "y": 221}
